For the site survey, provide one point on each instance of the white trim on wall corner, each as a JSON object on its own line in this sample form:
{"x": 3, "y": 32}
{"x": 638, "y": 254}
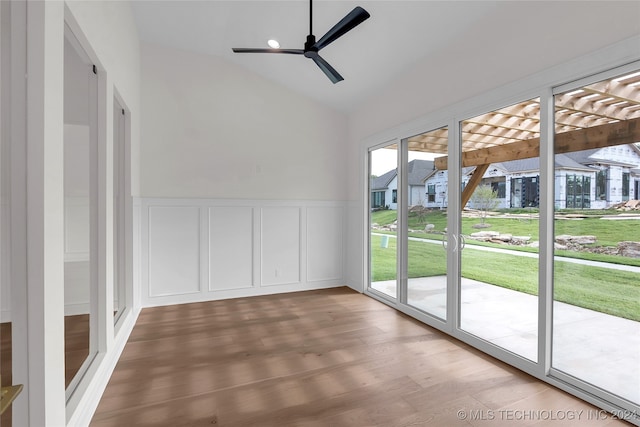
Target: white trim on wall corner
{"x": 258, "y": 247}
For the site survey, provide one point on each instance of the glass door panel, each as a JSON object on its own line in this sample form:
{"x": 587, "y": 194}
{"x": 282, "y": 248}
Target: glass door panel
{"x": 80, "y": 214}
{"x": 596, "y": 276}
{"x": 383, "y": 220}
{"x": 499, "y": 223}
{"x": 427, "y": 223}
{"x": 119, "y": 194}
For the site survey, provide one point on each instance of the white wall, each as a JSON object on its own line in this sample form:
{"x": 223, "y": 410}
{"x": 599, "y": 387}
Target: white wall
{"x": 211, "y": 129}
{"x": 243, "y": 183}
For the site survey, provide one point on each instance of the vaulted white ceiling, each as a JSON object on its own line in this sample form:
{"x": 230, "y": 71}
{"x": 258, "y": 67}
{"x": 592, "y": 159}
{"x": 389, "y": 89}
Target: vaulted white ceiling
{"x": 399, "y": 35}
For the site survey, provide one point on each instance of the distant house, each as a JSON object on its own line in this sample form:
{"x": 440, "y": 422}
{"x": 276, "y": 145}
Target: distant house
{"x": 589, "y": 179}
{"x": 384, "y": 189}
{"x": 384, "y": 192}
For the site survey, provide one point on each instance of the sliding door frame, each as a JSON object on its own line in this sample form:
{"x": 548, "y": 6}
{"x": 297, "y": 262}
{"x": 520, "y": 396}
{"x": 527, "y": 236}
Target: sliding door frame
{"x": 549, "y": 370}
{"x": 543, "y": 86}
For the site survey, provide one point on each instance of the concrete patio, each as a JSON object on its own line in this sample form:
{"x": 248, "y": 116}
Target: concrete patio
{"x": 598, "y": 348}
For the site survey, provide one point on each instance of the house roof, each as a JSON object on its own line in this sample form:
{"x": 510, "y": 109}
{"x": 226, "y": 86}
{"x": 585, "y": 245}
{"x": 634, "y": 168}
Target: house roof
{"x": 417, "y": 172}
{"x": 382, "y": 182}
{"x": 571, "y": 161}
{"x": 562, "y": 161}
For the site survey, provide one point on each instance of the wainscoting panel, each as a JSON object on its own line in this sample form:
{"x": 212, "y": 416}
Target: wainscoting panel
{"x": 205, "y": 249}
{"x": 324, "y": 243}
{"x": 174, "y": 250}
{"x": 230, "y": 248}
{"x": 280, "y": 245}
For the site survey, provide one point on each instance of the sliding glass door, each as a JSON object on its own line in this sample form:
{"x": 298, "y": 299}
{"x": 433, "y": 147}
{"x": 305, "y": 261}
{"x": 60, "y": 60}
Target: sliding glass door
{"x": 80, "y": 210}
{"x": 596, "y": 270}
{"x": 519, "y": 233}
{"x": 383, "y": 220}
{"x": 426, "y": 197}
{"x": 499, "y": 218}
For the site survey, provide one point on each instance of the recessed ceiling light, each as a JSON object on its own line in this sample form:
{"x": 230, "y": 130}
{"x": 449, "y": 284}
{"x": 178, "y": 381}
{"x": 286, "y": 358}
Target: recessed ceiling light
{"x": 273, "y": 44}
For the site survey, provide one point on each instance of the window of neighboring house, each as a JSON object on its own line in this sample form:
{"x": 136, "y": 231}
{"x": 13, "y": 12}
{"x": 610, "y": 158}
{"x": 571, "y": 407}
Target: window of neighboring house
{"x": 601, "y": 185}
{"x": 499, "y": 188}
{"x": 378, "y": 199}
{"x": 625, "y": 186}
{"x": 578, "y": 192}
{"x": 586, "y": 192}
{"x": 431, "y": 193}
{"x": 571, "y": 190}
{"x": 394, "y": 196}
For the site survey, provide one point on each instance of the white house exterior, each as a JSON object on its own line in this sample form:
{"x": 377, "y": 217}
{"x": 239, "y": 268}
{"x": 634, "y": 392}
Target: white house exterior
{"x": 384, "y": 188}
{"x": 384, "y": 191}
{"x": 589, "y": 179}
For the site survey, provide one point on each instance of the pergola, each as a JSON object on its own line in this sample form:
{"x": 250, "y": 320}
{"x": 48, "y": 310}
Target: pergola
{"x": 603, "y": 114}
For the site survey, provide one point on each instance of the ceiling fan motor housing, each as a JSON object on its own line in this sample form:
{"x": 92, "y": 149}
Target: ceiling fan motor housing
{"x": 309, "y": 45}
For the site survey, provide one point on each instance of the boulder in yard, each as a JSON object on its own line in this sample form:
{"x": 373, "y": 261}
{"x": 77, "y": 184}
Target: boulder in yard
{"x": 629, "y": 249}
{"x": 564, "y": 239}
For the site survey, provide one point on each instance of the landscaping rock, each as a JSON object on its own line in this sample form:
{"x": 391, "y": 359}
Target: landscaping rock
{"x": 629, "y": 205}
{"x": 481, "y": 225}
{"x": 484, "y": 235}
{"x": 629, "y": 249}
{"x": 564, "y": 239}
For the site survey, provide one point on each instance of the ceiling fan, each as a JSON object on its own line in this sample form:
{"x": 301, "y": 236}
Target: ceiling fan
{"x": 311, "y": 46}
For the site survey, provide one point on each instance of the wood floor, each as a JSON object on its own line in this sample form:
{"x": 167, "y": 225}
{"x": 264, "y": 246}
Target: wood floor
{"x": 320, "y": 358}
{"x": 76, "y": 350}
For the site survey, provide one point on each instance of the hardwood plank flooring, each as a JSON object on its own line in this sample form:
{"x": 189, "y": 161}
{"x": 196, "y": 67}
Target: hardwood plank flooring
{"x": 320, "y": 358}
{"x": 5, "y": 367}
{"x": 76, "y": 350}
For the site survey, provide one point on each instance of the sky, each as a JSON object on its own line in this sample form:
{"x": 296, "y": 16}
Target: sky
{"x": 383, "y": 160}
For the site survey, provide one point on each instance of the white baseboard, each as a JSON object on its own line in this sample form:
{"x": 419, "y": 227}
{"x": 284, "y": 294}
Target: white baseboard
{"x": 90, "y": 399}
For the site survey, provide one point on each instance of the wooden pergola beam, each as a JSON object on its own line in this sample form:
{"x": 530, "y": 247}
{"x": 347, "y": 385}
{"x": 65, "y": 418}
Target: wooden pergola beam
{"x": 472, "y": 184}
{"x": 623, "y": 132}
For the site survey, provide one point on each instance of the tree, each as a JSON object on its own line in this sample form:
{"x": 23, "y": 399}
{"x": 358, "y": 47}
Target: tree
{"x": 484, "y": 199}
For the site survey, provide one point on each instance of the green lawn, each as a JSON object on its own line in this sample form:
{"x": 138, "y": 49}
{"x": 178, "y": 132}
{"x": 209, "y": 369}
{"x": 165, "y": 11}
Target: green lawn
{"x": 608, "y": 232}
{"x": 608, "y": 291}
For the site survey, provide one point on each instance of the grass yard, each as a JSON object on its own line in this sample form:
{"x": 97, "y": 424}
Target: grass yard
{"x": 608, "y": 232}
{"x": 605, "y": 290}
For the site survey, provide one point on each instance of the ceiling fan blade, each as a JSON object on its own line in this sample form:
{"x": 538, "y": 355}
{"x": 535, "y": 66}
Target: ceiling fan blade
{"x": 265, "y": 50}
{"x": 333, "y": 75}
{"x": 349, "y": 22}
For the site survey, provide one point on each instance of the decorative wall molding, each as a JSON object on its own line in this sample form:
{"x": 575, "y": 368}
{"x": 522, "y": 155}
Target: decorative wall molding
{"x": 206, "y": 249}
